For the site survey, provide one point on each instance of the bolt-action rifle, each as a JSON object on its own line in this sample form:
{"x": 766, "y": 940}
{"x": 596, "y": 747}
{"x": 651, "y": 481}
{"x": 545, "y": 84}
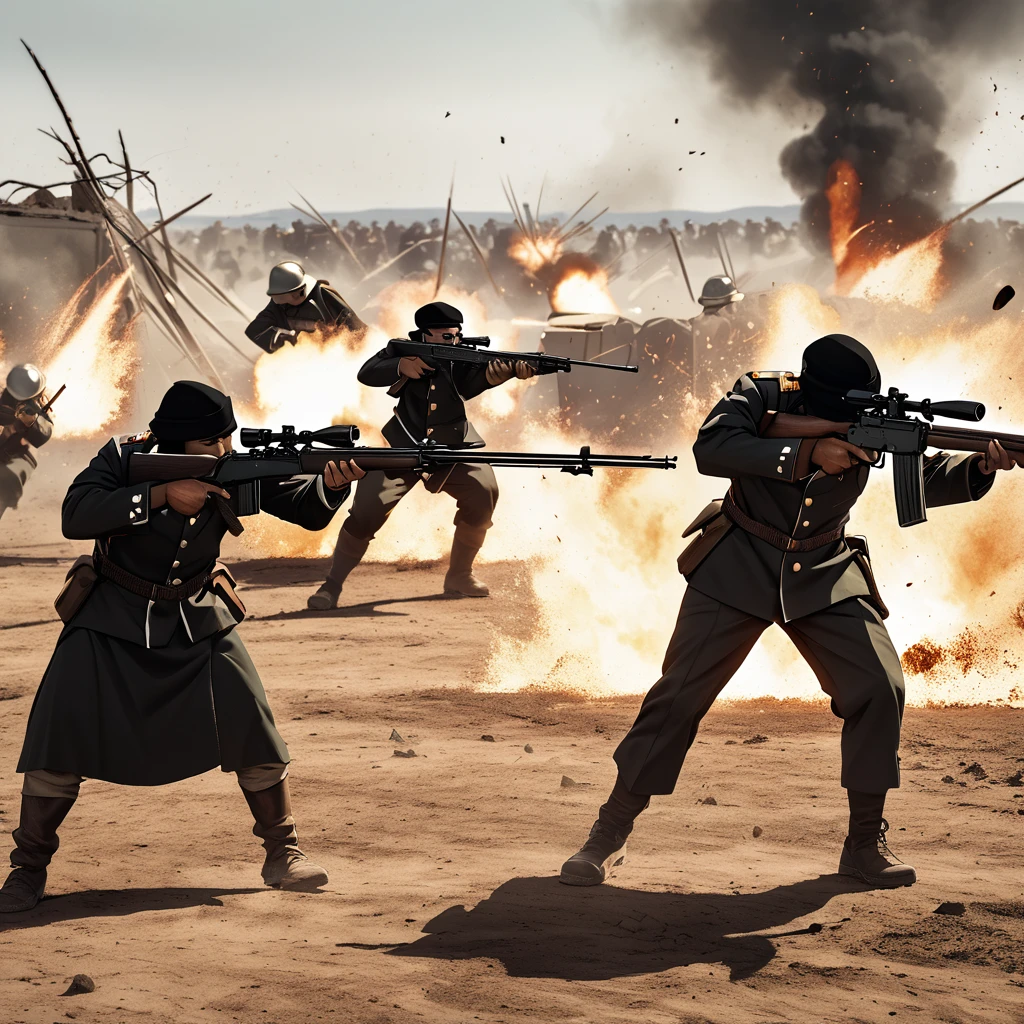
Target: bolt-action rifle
{"x": 307, "y": 452}
{"x": 884, "y": 425}
{"x": 468, "y": 350}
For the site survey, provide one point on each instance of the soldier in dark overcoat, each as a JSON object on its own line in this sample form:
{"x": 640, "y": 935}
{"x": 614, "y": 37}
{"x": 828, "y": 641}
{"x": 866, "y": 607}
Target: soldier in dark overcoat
{"x": 431, "y": 409}
{"x": 149, "y": 682}
{"x": 775, "y": 550}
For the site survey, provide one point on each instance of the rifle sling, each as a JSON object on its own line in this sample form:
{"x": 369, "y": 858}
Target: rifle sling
{"x": 775, "y": 537}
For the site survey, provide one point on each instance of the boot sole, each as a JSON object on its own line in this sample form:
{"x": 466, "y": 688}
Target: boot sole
{"x": 310, "y": 884}
{"x": 322, "y": 605}
{"x": 875, "y": 880}
{"x": 600, "y": 873}
{"x": 459, "y": 593}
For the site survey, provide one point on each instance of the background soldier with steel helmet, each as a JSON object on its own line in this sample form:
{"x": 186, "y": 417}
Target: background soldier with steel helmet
{"x": 298, "y": 302}
{"x": 721, "y": 333}
{"x": 23, "y": 426}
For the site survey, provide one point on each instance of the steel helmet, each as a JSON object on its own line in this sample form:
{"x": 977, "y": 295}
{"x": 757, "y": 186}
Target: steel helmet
{"x": 289, "y": 277}
{"x": 719, "y": 291}
{"x": 25, "y": 381}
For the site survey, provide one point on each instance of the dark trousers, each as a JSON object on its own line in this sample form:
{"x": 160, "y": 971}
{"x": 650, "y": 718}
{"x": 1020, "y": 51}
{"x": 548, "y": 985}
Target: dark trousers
{"x": 473, "y": 487}
{"x": 846, "y": 645}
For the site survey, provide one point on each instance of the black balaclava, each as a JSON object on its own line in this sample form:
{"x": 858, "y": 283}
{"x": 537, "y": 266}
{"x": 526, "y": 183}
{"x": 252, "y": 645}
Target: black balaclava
{"x": 832, "y": 366}
{"x": 191, "y": 411}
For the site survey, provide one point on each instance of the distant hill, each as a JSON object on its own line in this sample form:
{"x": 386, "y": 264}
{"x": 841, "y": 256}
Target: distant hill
{"x": 784, "y": 214}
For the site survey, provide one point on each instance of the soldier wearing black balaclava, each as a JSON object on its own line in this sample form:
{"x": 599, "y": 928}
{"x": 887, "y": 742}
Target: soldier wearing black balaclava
{"x": 775, "y": 551}
{"x": 149, "y": 683}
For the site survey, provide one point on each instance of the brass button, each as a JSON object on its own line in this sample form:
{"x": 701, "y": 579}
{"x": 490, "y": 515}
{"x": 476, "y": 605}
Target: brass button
{"x": 175, "y": 564}
{"x": 136, "y": 497}
{"x": 430, "y": 430}
{"x": 796, "y": 567}
{"x": 192, "y": 521}
{"x": 433, "y": 406}
{"x": 433, "y": 387}
{"x": 808, "y": 502}
{"x": 183, "y": 544}
{"x": 806, "y": 522}
{"x": 175, "y": 583}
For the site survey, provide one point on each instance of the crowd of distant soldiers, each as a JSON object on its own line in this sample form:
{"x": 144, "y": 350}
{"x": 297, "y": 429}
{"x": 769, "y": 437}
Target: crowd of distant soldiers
{"x": 380, "y": 253}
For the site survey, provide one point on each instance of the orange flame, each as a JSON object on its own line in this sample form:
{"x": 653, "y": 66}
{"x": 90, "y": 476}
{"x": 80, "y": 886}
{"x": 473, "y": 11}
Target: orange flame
{"x": 537, "y": 252}
{"x": 94, "y": 358}
{"x": 911, "y": 274}
{"x": 583, "y": 291}
{"x": 843, "y": 194}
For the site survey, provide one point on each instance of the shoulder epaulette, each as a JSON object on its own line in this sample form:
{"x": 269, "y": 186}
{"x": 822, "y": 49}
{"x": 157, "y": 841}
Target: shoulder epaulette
{"x": 787, "y": 380}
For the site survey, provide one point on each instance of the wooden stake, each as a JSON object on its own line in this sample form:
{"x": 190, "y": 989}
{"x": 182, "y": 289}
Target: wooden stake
{"x": 444, "y": 240}
{"x": 480, "y": 253}
{"x": 682, "y": 262}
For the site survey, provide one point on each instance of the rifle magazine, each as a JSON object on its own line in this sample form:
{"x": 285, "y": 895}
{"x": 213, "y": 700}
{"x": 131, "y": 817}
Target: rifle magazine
{"x": 247, "y": 498}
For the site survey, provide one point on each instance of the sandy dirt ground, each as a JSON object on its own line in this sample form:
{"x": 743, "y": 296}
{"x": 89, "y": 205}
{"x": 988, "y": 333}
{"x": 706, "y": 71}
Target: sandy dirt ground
{"x": 443, "y": 903}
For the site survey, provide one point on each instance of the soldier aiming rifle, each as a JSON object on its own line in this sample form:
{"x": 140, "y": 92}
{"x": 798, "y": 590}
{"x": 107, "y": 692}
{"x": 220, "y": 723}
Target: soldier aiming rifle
{"x": 149, "y": 683}
{"x": 775, "y": 550}
{"x": 25, "y": 423}
{"x": 431, "y": 407}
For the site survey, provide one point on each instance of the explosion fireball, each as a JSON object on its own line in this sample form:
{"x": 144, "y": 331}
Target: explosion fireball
{"x": 94, "y": 357}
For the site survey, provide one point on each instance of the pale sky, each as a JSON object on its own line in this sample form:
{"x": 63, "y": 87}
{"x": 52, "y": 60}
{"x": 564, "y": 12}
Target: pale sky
{"x": 346, "y": 101}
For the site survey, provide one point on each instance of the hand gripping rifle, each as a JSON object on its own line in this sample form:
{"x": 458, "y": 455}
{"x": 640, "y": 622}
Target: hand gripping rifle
{"x": 307, "y": 452}
{"x": 884, "y": 425}
{"x": 14, "y": 440}
{"x": 468, "y": 351}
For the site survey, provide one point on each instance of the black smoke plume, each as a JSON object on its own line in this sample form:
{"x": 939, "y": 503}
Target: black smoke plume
{"x": 874, "y": 66}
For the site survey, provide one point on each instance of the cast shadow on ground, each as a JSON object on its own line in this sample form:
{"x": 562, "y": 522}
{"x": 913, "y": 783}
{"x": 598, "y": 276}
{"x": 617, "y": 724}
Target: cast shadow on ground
{"x": 368, "y": 609}
{"x": 75, "y": 906}
{"x": 539, "y": 928}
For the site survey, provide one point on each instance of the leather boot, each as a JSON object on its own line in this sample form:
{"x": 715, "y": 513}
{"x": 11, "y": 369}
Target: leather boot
{"x": 36, "y": 842}
{"x": 866, "y": 855}
{"x": 605, "y": 847}
{"x": 286, "y": 866}
{"x": 460, "y": 581}
{"x": 348, "y": 553}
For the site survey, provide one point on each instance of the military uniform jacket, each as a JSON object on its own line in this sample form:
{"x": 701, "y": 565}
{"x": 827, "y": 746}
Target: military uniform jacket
{"x": 431, "y": 408}
{"x": 15, "y": 436}
{"x": 774, "y": 483}
{"x": 166, "y": 547}
{"x": 323, "y": 305}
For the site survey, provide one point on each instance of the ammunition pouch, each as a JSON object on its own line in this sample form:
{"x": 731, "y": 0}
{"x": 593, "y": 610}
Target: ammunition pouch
{"x": 714, "y": 527}
{"x": 78, "y": 585}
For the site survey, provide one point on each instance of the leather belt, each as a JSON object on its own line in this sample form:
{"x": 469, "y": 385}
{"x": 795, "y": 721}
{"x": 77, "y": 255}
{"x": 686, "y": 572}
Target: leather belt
{"x": 775, "y": 537}
{"x": 145, "y": 588}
